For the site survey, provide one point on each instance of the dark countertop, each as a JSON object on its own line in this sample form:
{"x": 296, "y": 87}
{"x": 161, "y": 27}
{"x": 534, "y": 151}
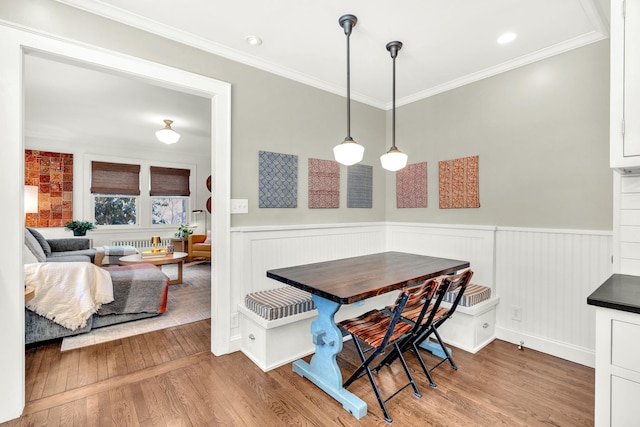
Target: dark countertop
{"x": 619, "y": 292}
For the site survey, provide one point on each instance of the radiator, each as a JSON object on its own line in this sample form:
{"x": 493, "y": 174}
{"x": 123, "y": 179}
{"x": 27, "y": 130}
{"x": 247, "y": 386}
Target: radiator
{"x": 140, "y": 243}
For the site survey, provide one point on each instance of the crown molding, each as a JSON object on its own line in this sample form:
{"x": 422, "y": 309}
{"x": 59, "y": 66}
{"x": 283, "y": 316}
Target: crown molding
{"x": 591, "y": 8}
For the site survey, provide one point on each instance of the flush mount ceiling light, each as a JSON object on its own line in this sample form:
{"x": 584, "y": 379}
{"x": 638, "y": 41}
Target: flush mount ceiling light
{"x": 167, "y": 135}
{"x": 348, "y": 152}
{"x": 394, "y": 159}
{"x": 253, "y": 40}
{"x": 507, "y": 38}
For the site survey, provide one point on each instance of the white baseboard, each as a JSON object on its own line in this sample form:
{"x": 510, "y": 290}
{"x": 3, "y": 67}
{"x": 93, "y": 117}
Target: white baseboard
{"x": 574, "y": 354}
{"x": 235, "y": 344}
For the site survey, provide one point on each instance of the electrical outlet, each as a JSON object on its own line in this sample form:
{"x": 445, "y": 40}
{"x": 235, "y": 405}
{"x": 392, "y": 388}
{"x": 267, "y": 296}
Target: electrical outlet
{"x": 239, "y": 206}
{"x": 516, "y": 313}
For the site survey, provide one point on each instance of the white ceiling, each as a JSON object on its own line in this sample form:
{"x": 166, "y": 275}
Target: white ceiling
{"x": 447, "y": 43}
{"x": 78, "y": 105}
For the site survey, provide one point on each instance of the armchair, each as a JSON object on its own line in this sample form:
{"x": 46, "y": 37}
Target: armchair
{"x": 198, "y": 246}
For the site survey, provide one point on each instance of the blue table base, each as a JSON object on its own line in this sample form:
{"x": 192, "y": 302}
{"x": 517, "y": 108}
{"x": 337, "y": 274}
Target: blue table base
{"x": 434, "y": 348}
{"x": 323, "y": 370}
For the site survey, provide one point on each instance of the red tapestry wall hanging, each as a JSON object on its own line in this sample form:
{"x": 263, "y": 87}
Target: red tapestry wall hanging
{"x": 459, "y": 186}
{"x": 52, "y": 173}
{"x": 411, "y": 186}
{"x": 324, "y": 184}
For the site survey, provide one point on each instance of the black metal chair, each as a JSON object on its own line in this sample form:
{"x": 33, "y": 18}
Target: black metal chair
{"x": 378, "y": 330}
{"x": 439, "y": 315}
{"x": 420, "y": 317}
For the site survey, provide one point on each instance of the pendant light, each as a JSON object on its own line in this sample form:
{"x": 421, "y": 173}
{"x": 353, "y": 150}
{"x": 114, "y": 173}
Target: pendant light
{"x": 348, "y": 152}
{"x": 394, "y": 159}
{"x": 167, "y": 135}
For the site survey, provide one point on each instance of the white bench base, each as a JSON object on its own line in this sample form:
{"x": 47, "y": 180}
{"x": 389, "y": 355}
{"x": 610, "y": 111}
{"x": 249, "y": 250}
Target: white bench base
{"x": 273, "y": 343}
{"x": 471, "y": 328}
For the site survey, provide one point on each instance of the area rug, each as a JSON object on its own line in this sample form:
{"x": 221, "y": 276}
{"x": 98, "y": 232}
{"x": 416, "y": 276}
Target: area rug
{"x": 187, "y": 302}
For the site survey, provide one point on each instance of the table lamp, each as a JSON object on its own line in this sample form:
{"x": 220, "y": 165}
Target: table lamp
{"x": 156, "y": 241}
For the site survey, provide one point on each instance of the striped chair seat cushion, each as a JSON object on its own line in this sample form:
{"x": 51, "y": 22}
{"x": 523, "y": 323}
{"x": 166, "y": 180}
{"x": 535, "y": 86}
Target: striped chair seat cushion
{"x": 280, "y": 302}
{"x": 372, "y": 326}
{"x": 474, "y": 294}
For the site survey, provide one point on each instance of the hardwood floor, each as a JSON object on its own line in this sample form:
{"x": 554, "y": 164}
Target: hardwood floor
{"x": 169, "y": 378}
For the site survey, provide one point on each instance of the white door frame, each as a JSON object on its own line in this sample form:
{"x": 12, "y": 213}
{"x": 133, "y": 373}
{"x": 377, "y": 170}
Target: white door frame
{"x": 14, "y": 43}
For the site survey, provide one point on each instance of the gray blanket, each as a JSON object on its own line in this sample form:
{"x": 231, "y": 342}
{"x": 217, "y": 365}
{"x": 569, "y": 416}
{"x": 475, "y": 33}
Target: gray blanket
{"x": 136, "y": 288}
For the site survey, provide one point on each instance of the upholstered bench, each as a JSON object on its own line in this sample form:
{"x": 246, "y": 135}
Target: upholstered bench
{"x": 275, "y": 324}
{"x": 474, "y": 294}
{"x": 281, "y": 302}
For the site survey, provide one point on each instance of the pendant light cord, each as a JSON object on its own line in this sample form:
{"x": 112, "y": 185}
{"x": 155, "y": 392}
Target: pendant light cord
{"x": 348, "y": 33}
{"x": 393, "y": 107}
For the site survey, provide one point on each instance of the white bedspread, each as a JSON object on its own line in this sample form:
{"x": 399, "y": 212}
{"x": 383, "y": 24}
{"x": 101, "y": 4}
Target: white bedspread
{"x": 68, "y": 293}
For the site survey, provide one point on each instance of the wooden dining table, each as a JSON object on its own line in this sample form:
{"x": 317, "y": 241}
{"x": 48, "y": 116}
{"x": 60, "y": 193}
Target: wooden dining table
{"x": 347, "y": 281}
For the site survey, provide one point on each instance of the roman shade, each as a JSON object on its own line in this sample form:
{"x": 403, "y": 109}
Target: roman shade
{"x": 115, "y": 178}
{"x": 169, "y": 182}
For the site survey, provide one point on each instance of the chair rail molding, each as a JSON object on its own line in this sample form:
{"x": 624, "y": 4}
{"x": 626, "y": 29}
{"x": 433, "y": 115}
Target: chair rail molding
{"x": 545, "y": 274}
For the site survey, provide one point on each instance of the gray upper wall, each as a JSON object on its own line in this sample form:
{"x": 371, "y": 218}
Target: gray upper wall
{"x": 542, "y": 136}
{"x": 541, "y": 131}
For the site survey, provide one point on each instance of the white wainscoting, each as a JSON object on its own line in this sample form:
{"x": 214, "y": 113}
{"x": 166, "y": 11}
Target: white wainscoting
{"x": 258, "y": 249}
{"x": 546, "y": 276}
{"x": 469, "y": 243}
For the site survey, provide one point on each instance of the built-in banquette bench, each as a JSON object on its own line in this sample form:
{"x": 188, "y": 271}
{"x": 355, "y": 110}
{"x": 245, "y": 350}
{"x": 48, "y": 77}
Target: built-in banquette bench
{"x": 275, "y": 324}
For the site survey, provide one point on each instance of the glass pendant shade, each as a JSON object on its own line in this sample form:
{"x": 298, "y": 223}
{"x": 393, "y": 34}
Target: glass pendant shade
{"x": 394, "y": 160}
{"x": 168, "y": 135}
{"x": 348, "y": 152}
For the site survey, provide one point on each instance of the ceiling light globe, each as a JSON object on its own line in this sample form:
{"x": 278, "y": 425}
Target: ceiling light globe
{"x": 394, "y": 160}
{"x": 348, "y": 152}
{"x": 168, "y": 136}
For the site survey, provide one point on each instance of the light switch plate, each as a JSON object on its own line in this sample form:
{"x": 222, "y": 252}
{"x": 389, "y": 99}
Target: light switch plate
{"x": 239, "y": 206}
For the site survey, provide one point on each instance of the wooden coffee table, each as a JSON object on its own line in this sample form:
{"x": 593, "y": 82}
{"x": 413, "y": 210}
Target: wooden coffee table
{"x": 176, "y": 258}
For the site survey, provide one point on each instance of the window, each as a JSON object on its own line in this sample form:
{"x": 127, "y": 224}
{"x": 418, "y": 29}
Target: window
{"x": 169, "y": 210}
{"x": 169, "y": 195}
{"x": 115, "y": 187}
{"x": 115, "y": 210}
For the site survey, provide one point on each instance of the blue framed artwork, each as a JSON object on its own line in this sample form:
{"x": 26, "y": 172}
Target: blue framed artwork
{"x": 360, "y": 186}
{"x": 278, "y": 180}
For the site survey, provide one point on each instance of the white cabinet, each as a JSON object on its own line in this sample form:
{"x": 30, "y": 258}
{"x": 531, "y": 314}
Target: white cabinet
{"x": 625, "y": 86}
{"x": 471, "y": 328}
{"x": 617, "y": 368}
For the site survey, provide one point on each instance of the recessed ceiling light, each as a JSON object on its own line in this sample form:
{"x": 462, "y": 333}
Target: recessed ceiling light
{"x": 253, "y": 40}
{"x": 507, "y": 38}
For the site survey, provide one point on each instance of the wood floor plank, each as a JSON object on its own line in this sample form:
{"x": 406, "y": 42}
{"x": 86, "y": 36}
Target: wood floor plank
{"x": 132, "y": 355}
{"x": 203, "y": 384}
{"x": 153, "y": 405}
{"x": 123, "y": 411}
{"x": 50, "y": 367}
{"x": 87, "y": 366}
{"x": 156, "y": 379}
